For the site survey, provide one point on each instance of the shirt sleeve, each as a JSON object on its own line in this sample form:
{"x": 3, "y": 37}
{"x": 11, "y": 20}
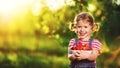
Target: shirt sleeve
{"x": 71, "y": 43}
{"x": 96, "y": 45}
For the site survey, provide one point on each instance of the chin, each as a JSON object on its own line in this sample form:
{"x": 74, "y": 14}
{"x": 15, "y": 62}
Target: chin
{"x": 81, "y": 37}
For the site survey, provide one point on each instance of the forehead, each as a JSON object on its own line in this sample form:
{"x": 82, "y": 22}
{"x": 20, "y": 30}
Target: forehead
{"x": 83, "y": 22}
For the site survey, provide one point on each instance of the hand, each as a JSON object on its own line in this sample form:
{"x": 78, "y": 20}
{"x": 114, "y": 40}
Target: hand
{"x": 79, "y": 55}
{"x": 76, "y": 54}
{"x": 83, "y": 55}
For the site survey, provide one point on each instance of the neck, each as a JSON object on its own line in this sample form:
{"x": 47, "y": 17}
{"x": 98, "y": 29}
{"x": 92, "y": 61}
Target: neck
{"x": 85, "y": 39}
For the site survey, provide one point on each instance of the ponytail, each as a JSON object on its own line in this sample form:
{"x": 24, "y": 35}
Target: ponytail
{"x": 72, "y": 27}
{"x": 95, "y": 27}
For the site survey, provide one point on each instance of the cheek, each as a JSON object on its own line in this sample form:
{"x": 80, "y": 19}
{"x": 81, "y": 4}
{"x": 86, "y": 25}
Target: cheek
{"x": 76, "y": 31}
{"x": 89, "y": 30}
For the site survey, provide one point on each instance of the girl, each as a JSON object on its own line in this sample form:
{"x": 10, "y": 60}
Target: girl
{"x": 84, "y": 50}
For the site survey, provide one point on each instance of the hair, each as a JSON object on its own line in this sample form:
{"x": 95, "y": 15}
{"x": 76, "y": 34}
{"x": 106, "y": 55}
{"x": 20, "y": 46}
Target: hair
{"x": 87, "y": 17}
{"x": 84, "y": 16}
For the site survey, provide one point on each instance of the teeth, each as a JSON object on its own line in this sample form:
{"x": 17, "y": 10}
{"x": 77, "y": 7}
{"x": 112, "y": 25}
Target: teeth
{"x": 82, "y": 34}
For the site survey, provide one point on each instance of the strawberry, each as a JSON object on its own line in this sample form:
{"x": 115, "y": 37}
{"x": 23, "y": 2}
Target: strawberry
{"x": 86, "y": 47}
{"x": 77, "y": 47}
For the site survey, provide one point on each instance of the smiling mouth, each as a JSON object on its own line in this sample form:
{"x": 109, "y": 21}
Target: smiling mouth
{"x": 81, "y": 34}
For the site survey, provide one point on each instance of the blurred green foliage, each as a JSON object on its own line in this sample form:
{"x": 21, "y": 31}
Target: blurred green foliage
{"x": 41, "y": 41}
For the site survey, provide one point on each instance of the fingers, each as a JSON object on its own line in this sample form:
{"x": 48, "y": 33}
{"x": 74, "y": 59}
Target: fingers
{"x": 76, "y": 54}
{"x": 79, "y": 58}
{"x": 80, "y": 55}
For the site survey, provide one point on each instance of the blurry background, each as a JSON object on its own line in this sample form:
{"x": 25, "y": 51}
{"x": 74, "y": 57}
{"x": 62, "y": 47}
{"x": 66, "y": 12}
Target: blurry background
{"x": 35, "y": 33}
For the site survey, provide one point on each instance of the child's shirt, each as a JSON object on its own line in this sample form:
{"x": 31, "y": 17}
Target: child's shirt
{"x": 95, "y": 44}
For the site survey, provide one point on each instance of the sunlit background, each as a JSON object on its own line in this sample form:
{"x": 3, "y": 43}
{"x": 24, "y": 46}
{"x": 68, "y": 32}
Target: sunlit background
{"x": 35, "y": 33}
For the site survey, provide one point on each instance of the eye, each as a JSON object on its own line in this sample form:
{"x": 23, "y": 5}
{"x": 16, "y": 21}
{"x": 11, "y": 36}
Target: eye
{"x": 78, "y": 26}
{"x": 85, "y": 26}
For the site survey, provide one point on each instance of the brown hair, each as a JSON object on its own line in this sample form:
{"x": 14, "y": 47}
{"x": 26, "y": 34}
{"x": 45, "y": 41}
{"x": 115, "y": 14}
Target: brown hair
{"x": 84, "y": 16}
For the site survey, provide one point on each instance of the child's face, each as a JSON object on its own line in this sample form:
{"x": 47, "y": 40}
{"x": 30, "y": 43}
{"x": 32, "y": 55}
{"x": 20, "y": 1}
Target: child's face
{"x": 84, "y": 29}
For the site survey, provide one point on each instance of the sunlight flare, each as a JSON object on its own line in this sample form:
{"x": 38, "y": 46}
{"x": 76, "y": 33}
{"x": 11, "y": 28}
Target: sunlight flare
{"x": 91, "y": 7}
{"x": 9, "y": 6}
{"x": 55, "y": 4}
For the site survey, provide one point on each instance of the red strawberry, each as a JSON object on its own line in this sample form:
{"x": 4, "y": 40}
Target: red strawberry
{"x": 86, "y": 47}
{"x": 78, "y": 46}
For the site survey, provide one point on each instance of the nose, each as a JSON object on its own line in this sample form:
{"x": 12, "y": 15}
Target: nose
{"x": 82, "y": 29}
